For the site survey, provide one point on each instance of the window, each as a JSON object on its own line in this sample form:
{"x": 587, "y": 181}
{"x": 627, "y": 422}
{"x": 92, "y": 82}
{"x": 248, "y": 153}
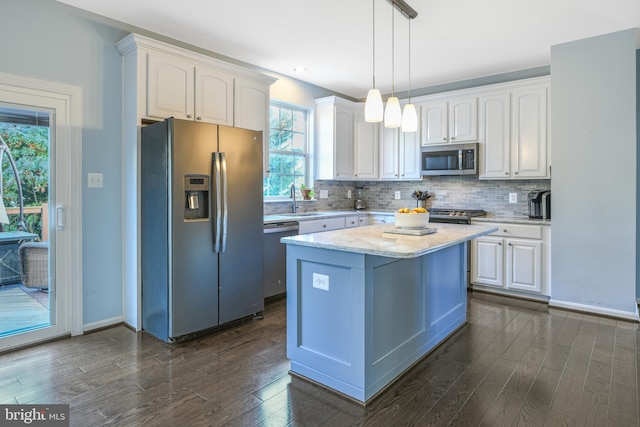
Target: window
{"x": 288, "y": 149}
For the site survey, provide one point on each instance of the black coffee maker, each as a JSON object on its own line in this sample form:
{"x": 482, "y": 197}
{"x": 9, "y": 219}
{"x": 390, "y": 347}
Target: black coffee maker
{"x": 539, "y": 204}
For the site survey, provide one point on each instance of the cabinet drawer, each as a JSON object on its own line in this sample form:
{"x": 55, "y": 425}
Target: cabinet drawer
{"x": 519, "y": 230}
{"x": 351, "y": 221}
{"x": 315, "y": 226}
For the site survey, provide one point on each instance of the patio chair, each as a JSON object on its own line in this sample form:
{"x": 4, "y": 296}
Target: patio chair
{"x": 34, "y": 264}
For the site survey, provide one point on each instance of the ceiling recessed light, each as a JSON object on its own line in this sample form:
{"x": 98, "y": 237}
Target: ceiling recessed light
{"x": 299, "y": 68}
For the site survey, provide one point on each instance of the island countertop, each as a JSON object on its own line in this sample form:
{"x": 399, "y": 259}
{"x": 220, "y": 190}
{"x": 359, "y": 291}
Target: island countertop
{"x": 372, "y": 240}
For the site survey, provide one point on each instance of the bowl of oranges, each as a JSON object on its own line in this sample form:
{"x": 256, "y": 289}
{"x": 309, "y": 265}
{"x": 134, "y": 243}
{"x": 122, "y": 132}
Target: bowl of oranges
{"x": 415, "y": 218}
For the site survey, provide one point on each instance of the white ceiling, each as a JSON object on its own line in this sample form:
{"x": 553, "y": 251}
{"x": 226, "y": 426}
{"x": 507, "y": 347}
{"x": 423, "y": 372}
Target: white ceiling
{"x": 451, "y": 40}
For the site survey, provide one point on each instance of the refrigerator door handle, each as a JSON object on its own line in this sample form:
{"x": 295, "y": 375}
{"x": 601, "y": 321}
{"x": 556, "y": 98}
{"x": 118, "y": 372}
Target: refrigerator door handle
{"x": 225, "y": 215}
{"x": 216, "y": 174}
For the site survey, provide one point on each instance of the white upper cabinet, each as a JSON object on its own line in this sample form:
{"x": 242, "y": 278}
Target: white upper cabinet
{"x": 180, "y": 89}
{"x": 513, "y": 132}
{"x": 495, "y": 135}
{"x": 170, "y": 87}
{"x": 251, "y": 105}
{"x": 435, "y": 123}
{"x": 163, "y": 81}
{"x": 334, "y": 138}
{"x": 365, "y": 147}
{"x": 529, "y": 132}
{"x": 400, "y": 153}
{"x": 453, "y": 120}
{"x": 214, "y": 97}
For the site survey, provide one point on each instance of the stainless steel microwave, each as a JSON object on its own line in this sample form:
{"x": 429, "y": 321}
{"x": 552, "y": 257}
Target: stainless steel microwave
{"x": 452, "y": 159}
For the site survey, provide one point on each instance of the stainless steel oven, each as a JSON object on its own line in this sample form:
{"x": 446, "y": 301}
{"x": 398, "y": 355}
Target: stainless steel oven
{"x": 453, "y": 159}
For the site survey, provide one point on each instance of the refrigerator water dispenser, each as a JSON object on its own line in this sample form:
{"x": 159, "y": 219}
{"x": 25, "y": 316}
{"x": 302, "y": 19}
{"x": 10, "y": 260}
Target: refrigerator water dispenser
{"x": 196, "y": 197}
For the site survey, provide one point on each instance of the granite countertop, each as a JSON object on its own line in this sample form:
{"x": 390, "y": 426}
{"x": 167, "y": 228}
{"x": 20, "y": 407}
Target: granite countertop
{"x": 510, "y": 219}
{"x": 372, "y": 240}
{"x": 307, "y": 216}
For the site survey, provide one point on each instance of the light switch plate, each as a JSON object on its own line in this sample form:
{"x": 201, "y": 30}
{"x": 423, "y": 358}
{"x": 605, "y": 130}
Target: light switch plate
{"x": 513, "y": 197}
{"x": 348, "y": 194}
{"x": 324, "y": 194}
{"x": 94, "y": 180}
{"x": 397, "y": 195}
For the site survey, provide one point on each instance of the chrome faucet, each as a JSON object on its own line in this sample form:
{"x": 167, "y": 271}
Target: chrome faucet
{"x": 293, "y": 198}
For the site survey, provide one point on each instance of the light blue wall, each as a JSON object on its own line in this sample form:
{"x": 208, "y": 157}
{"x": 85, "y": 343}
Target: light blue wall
{"x": 593, "y": 116}
{"x": 49, "y": 41}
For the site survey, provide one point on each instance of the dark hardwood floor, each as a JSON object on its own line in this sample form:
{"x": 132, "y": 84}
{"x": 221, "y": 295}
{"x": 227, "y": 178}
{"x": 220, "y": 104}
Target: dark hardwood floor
{"x": 515, "y": 363}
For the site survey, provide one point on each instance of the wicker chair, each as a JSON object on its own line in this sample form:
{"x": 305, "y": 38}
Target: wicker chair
{"x": 34, "y": 264}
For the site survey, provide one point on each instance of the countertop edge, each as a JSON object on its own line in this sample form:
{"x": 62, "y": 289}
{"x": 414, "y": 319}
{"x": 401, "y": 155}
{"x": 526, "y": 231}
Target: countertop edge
{"x": 305, "y": 240}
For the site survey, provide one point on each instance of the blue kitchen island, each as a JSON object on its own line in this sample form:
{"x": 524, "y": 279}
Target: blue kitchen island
{"x": 365, "y": 304}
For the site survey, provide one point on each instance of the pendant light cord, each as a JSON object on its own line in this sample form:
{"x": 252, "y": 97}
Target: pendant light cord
{"x": 373, "y": 2}
{"x": 393, "y": 55}
{"x": 409, "y": 60}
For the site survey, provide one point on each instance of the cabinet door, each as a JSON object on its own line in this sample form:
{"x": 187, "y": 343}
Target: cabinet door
{"x": 213, "y": 96}
{"x": 366, "y": 148}
{"x": 495, "y": 135}
{"x": 434, "y": 123}
{"x": 487, "y": 266}
{"x": 389, "y": 151}
{"x": 463, "y": 120}
{"x": 529, "y": 133}
{"x": 170, "y": 87}
{"x": 524, "y": 265}
{"x": 410, "y": 155}
{"x": 251, "y": 111}
{"x": 343, "y": 149}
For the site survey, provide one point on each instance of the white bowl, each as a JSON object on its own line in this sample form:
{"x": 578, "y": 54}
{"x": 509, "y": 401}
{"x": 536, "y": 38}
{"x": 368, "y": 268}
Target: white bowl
{"x": 412, "y": 220}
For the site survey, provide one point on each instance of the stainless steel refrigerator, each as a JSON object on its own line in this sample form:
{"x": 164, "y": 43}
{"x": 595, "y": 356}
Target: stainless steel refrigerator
{"x": 201, "y": 227}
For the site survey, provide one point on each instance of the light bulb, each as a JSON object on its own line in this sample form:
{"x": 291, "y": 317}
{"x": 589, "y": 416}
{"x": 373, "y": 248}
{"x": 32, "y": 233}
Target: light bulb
{"x": 392, "y": 114}
{"x": 409, "y": 118}
{"x": 373, "y": 108}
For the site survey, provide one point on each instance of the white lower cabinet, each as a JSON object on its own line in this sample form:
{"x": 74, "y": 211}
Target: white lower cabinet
{"x": 375, "y": 219}
{"x": 317, "y": 225}
{"x": 515, "y": 258}
{"x": 351, "y": 221}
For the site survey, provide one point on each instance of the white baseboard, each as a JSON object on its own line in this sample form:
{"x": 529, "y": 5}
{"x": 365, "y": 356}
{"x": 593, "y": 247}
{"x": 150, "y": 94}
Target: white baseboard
{"x": 596, "y": 310}
{"x": 102, "y": 323}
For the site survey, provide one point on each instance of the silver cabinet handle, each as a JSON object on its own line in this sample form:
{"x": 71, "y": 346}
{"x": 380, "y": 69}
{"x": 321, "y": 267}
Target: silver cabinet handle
{"x": 198, "y": 118}
{"x": 189, "y": 116}
{"x": 506, "y": 173}
{"x": 505, "y": 230}
{"x": 516, "y": 173}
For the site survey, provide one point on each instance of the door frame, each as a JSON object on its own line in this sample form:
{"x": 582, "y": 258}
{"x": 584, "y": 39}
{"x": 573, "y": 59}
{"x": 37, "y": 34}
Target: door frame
{"x": 65, "y": 211}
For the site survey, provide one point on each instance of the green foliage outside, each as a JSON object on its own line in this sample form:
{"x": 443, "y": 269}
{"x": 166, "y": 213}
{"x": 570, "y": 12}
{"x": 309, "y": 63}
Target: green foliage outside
{"x": 29, "y": 146}
{"x": 287, "y": 150}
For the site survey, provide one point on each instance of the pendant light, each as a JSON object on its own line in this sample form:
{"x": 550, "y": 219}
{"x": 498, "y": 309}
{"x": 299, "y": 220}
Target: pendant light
{"x": 409, "y": 115}
{"x": 392, "y": 114}
{"x": 373, "y": 108}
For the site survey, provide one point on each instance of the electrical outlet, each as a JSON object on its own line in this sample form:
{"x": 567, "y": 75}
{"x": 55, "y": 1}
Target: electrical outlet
{"x": 397, "y": 195}
{"x": 321, "y": 281}
{"x": 513, "y": 197}
{"x": 94, "y": 180}
{"x": 324, "y": 194}
{"x": 348, "y": 194}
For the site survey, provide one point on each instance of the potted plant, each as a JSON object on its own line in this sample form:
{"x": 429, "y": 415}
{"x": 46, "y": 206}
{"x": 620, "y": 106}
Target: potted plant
{"x": 307, "y": 193}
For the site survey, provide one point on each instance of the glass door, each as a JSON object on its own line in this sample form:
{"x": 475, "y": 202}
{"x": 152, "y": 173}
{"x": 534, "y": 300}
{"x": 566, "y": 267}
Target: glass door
{"x": 27, "y": 298}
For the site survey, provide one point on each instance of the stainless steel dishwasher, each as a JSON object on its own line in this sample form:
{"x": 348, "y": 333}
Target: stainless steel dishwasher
{"x": 275, "y": 256}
